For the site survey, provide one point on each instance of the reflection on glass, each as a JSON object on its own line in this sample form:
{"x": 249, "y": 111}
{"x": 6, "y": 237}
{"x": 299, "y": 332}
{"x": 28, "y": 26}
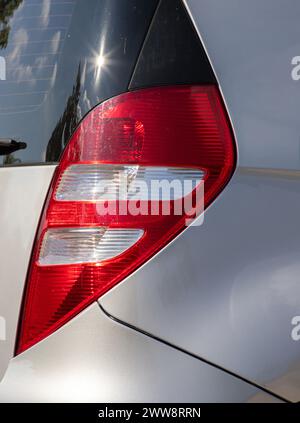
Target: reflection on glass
{"x": 66, "y": 124}
{"x": 10, "y": 160}
{"x": 7, "y": 9}
{"x": 42, "y": 42}
{"x": 37, "y": 33}
{"x": 100, "y": 61}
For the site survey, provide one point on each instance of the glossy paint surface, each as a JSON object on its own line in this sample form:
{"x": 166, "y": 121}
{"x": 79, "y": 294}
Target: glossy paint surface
{"x": 228, "y": 290}
{"x": 22, "y": 194}
{"x": 94, "y": 359}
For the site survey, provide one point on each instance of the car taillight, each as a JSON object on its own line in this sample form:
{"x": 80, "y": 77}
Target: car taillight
{"x": 167, "y": 133}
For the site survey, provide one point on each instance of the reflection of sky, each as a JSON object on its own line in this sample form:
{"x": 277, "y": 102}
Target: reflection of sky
{"x": 45, "y": 12}
{"x": 56, "y": 73}
{"x": 38, "y": 31}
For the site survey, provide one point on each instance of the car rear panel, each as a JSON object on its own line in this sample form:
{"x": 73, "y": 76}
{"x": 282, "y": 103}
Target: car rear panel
{"x": 94, "y": 359}
{"x": 218, "y": 299}
{"x": 228, "y": 290}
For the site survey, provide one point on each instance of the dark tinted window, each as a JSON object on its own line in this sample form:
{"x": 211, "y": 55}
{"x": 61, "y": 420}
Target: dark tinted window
{"x": 58, "y": 59}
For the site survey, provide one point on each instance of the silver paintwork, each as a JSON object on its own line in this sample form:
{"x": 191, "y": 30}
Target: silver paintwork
{"x": 94, "y": 359}
{"x": 22, "y": 194}
{"x": 228, "y": 290}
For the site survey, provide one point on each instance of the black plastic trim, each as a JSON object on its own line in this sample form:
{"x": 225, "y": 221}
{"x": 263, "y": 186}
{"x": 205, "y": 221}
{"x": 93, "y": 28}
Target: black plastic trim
{"x": 172, "y": 52}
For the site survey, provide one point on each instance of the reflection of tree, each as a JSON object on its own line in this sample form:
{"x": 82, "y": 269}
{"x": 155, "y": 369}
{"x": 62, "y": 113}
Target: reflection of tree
{"x": 66, "y": 124}
{"x": 7, "y": 9}
{"x": 10, "y": 159}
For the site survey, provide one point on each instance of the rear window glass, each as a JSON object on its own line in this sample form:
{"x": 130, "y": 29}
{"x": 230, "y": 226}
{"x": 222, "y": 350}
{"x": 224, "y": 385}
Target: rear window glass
{"x": 33, "y": 34}
{"x": 58, "y": 59}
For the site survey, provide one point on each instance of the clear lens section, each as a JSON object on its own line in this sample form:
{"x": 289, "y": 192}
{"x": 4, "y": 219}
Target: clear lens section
{"x": 85, "y": 245}
{"x": 102, "y": 182}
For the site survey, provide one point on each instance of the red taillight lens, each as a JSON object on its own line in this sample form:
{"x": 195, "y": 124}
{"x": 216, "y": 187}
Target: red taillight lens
{"x": 80, "y": 252}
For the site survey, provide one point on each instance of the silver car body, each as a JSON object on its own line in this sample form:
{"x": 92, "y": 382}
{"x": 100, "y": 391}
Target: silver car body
{"x": 209, "y": 318}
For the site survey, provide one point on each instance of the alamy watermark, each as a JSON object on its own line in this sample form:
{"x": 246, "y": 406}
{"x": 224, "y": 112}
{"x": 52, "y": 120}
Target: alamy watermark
{"x": 2, "y": 69}
{"x": 295, "y": 73}
{"x": 295, "y": 334}
{"x": 2, "y": 328}
{"x": 165, "y": 197}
